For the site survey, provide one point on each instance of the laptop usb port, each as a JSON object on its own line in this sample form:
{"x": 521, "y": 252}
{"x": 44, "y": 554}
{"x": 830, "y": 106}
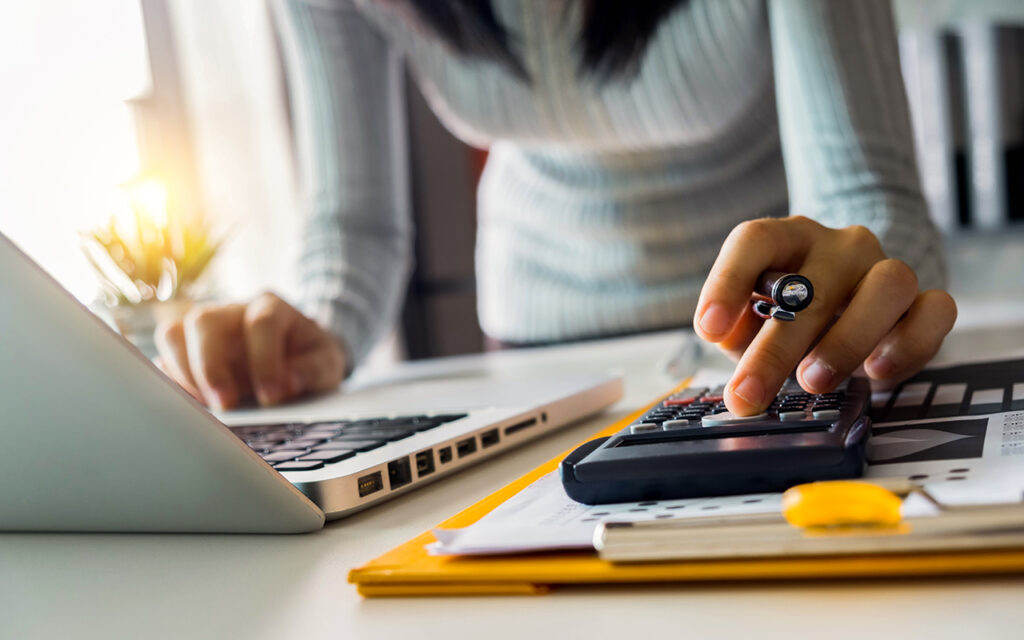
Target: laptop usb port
{"x": 424, "y": 463}
{"x": 489, "y": 438}
{"x": 465, "y": 447}
{"x": 370, "y": 484}
{"x": 399, "y": 473}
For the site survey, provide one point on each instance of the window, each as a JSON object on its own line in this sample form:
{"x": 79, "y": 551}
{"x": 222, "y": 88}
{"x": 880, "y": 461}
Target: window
{"x": 68, "y": 69}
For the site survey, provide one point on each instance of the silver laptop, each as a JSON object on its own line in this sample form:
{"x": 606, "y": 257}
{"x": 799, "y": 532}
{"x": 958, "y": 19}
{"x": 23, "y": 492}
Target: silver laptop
{"x": 95, "y": 438}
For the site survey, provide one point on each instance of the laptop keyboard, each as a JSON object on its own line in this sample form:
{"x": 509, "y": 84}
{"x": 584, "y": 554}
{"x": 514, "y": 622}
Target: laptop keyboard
{"x": 306, "y": 447}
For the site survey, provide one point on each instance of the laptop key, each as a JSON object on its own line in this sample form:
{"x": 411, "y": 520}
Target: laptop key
{"x": 379, "y": 433}
{"x": 294, "y": 465}
{"x": 427, "y": 425}
{"x": 450, "y": 417}
{"x": 281, "y": 456}
{"x": 358, "y": 445}
{"x": 333, "y": 424}
{"x": 328, "y": 456}
{"x": 303, "y": 443}
{"x": 263, "y": 442}
{"x": 279, "y": 434}
{"x": 324, "y": 430}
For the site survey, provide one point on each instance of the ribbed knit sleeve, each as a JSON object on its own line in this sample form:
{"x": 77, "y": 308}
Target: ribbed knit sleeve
{"x": 845, "y": 126}
{"x": 346, "y": 99}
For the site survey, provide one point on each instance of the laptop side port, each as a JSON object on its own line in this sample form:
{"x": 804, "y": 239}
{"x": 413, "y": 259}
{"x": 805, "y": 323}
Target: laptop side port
{"x": 489, "y": 438}
{"x": 519, "y": 426}
{"x": 444, "y": 454}
{"x": 399, "y": 473}
{"x": 424, "y": 463}
{"x": 465, "y": 447}
{"x": 370, "y": 484}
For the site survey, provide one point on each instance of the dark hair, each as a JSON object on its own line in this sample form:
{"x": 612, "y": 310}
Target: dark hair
{"x": 611, "y": 43}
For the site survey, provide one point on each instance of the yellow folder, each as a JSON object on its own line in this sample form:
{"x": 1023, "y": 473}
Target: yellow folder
{"x": 408, "y": 570}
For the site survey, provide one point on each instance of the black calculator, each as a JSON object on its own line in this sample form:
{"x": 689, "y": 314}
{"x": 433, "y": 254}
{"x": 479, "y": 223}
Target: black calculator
{"x": 690, "y": 446}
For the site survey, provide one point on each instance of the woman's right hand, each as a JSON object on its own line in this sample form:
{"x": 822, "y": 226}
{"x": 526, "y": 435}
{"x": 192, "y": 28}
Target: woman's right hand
{"x": 265, "y": 349}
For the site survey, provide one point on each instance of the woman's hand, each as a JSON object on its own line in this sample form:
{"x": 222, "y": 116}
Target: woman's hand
{"x": 867, "y": 310}
{"x": 264, "y": 349}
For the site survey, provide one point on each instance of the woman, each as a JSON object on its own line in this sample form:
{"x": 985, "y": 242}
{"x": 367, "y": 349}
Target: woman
{"x": 630, "y": 143}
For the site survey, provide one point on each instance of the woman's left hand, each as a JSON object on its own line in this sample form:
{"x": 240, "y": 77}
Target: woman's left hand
{"x": 866, "y": 310}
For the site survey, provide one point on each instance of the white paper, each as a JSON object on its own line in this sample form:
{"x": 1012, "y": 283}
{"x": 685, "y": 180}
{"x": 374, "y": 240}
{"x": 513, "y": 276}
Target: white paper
{"x": 543, "y": 517}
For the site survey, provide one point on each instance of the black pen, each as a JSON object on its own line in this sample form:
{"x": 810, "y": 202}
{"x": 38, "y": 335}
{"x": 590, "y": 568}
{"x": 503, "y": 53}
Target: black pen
{"x": 780, "y": 295}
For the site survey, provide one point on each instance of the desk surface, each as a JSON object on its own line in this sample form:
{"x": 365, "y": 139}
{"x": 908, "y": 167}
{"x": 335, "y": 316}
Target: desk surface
{"x": 199, "y": 586}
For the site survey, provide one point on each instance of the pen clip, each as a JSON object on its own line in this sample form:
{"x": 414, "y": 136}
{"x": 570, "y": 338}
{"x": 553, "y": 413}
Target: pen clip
{"x": 769, "y": 311}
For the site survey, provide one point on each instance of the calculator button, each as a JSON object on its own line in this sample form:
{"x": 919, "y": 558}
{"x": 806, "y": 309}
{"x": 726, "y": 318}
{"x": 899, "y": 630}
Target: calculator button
{"x": 826, "y": 414}
{"x": 678, "y": 402}
{"x": 790, "y": 416}
{"x": 690, "y": 392}
{"x": 727, "y": 417}
{"x": 675, "y": 425}
{"x": 644, "y": 427}
{"x": 684, "y": 397}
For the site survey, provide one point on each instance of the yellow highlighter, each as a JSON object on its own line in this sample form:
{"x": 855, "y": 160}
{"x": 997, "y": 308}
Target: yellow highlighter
{"x": 841, "y": 503}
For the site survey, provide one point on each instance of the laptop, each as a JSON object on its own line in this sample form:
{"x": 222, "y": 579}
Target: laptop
{"x": 95, "y": 438}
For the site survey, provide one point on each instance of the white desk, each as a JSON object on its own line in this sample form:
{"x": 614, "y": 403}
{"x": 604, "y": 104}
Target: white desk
{"x": 198, "y": 586}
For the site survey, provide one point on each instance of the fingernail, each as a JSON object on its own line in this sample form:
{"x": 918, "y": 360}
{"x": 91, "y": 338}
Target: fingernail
{"x": 818, "y": 376}
{"x": 715, "y": 320}
{"x": 751, "y": 390}
{"x": 881, "y": 367}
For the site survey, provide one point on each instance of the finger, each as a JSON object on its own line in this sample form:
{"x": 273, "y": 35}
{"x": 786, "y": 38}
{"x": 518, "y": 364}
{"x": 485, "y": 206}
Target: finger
{"x": 266, "y": 323}
{"x": 161, "y": 364}
{"x": 170, "y": 344}
{"x": 915, "y": 339}
{"x": 882, "y": 297}
{"x": 212, "y": 335}
{"x": 751, "y": 248}
{"x": 742, "y": 334}
{"x": 779, "y": 346}
{"x": 319, "y": 368}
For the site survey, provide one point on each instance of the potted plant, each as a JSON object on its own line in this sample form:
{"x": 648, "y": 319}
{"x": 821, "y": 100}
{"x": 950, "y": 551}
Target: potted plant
{"x": 149, "y": 262}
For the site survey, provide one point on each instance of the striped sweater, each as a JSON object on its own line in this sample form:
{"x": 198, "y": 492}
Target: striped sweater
{"x": 602, "y": 205}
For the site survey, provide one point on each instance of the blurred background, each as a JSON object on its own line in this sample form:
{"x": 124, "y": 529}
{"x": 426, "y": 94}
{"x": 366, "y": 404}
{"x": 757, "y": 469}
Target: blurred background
{"x": 164, "y": 124}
